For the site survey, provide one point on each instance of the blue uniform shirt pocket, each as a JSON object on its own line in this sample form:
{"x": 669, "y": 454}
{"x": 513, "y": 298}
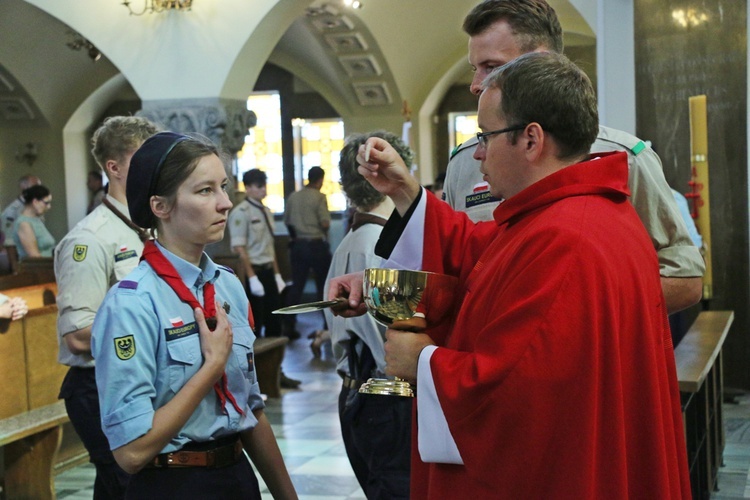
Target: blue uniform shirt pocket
{"x": 185, "y": 359}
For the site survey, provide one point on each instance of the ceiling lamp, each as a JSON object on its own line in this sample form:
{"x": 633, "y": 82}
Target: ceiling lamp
{"x": 152, "y": 6}
{"x": 354, "y": 4}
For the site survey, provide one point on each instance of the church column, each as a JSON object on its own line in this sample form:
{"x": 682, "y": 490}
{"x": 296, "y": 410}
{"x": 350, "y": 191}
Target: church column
{"x": 615, "y": 63}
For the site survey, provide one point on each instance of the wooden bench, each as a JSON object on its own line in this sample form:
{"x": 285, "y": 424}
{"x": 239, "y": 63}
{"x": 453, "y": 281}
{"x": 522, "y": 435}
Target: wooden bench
{"x": 269, "y": 353}
{"x": 700, "y": 375}
{"x": 30, "y": 441}
{"x": 28, "y": 354}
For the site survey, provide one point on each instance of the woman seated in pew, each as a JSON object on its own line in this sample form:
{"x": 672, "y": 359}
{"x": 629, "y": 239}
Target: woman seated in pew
{"x": 29, "y": 232}
{"x": 173, "y": 343}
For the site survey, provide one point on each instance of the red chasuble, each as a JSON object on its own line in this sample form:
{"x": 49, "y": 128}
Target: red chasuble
{"x": 558, "y": 377}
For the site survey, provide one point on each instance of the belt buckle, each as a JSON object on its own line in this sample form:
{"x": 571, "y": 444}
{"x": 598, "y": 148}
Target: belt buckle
{"x": 177, "y": 459}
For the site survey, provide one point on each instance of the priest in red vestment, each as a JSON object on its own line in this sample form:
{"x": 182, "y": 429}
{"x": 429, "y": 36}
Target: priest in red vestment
{"x": 556, "y": 377}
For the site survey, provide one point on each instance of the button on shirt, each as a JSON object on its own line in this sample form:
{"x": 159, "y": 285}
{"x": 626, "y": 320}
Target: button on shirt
{"x": 97, "y": 253}
{"x": 249, "y": 227}
{"x": 146, "y": 344}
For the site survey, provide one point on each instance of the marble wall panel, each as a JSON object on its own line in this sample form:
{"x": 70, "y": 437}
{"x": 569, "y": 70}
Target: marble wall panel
{"x": 691, "y": 47}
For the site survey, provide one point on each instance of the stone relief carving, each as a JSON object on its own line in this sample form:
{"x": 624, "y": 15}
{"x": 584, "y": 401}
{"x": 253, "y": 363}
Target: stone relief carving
{"x": 225, "y": 123}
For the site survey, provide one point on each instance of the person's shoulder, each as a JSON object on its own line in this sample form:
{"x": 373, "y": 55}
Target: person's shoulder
{"x": 9, "y": 209}
{"x": 229, "y": 278}
{"x": 240, "y": 210}
{"x": 140, "y": 279}
{"x": 96, "y": 228}
{"x": 464, "y": 149}
{"x": 610, "y": 139}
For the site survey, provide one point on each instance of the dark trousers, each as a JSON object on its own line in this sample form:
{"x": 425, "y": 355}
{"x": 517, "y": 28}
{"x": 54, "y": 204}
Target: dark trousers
{"x": 377, "y": 438}
{"x": 263, "y": 306}
{"x": 307, "y": 255}
{"x": 82, "y": 403}
{"x": 234, "y": 482}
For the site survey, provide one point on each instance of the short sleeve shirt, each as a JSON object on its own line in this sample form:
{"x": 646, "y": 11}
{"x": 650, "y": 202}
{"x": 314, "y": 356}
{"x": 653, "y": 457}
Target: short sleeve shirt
{"x": 97, "y": 253}
{"x": 250, "y": 227}
{"x": 650, "y": 195}
{"x": 306, "y": 210}
{"x": 147, "y": 347}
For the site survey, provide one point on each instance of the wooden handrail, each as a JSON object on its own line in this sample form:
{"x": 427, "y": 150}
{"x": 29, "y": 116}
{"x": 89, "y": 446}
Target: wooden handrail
{"x": 698, "y": 349}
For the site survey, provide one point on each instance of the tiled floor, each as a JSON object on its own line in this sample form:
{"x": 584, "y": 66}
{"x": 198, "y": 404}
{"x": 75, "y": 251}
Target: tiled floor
{"x": 734, "y": 476}
{"x": 305, "y": 422}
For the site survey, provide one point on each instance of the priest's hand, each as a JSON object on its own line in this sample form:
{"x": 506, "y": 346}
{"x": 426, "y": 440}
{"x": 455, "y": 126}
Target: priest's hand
{"x": 348, "y": 286}
{"x": 402, "y": 349}
{"x": 382, "y": 166}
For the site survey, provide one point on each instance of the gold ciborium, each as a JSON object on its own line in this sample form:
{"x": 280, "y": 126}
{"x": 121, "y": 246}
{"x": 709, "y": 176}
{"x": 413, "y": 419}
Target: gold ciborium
{"x": 398, "y": 295}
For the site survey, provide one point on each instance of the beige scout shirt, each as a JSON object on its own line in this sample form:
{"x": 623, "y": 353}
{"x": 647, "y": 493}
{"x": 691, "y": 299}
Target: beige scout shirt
{"x": 250, "y": 227}
{"x": 651, "y": 196}
{"x": 306, "y": 210}
{"x": 97, "y": 253}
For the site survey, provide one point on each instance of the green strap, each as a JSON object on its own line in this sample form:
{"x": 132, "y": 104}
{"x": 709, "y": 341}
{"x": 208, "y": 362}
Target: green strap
{"x": 638, "y": 148}
{"x": 455, "y": 150}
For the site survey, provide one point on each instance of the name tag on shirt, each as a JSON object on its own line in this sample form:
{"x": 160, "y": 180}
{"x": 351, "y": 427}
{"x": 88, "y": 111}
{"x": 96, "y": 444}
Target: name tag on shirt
{"x": 179, "y": 332}
{"x": 479, "y": 199}
{"x": 129, "y": 254}
{"x": 480, "y": 195}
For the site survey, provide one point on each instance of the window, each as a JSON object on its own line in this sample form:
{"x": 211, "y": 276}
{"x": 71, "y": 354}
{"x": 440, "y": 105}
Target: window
{"x": 461, "y": 128}
{"x": 263, "y": 147}
{"x": 319, "y": 143}
{"x": 316, "y": 143}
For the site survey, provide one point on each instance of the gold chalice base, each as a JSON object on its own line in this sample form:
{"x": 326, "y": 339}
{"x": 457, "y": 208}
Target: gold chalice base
{"x": 387, "y": 387}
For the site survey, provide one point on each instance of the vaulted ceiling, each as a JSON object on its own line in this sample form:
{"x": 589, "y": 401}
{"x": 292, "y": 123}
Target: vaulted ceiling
{"x": 365, "y": 61}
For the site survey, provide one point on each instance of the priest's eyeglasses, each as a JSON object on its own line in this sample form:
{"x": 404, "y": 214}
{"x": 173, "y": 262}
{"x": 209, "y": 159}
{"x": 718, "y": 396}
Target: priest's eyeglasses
{"x": 482, "y": 137}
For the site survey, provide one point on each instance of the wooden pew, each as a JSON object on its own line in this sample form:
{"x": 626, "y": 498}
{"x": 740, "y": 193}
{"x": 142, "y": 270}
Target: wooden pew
{"x": 43, "y": 268}
{"x": 30, "y": 441}
{"x": 14, "y": 397}
{"x": 29, "y": 350}
{"x": 700, "y": 376}
{"x": 269, "y": 353}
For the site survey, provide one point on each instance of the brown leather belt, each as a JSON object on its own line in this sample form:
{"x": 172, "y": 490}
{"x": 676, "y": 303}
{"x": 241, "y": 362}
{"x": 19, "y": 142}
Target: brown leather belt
{"x": 216, "y": 458}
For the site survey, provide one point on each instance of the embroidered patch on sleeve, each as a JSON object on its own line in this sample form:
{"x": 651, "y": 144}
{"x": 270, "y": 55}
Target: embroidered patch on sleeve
{"x": 79, "y": 252}
{"x": 125, "y": 347}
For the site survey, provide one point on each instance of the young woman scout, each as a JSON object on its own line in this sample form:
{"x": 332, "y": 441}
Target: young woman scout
{"x": 174, "y": 346}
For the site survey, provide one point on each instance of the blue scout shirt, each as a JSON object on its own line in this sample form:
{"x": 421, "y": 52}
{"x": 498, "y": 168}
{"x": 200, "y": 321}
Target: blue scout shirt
{"x": 146, "y": 345}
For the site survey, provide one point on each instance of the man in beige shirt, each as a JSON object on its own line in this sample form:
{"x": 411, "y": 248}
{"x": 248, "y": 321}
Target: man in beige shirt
{"x": 308, "y": 219}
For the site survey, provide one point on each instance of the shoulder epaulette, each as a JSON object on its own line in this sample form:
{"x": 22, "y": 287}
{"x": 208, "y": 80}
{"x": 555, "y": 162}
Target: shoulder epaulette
{"x": 226, "y": 268}
{"x": 132, "y": 285}
{"x": 472, "y": 142}
{"x": 638, "y": 148}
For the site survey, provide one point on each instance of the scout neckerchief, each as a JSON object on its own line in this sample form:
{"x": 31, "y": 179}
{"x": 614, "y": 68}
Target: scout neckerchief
{"x": 166, "y": 271}
{"x": 142, "y": 234}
